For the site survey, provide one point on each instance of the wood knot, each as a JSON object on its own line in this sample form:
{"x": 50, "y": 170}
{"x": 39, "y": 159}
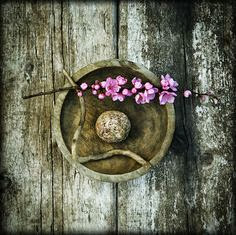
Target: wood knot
{"x": 5, "y": 183}
{"x": 207, "y": 159}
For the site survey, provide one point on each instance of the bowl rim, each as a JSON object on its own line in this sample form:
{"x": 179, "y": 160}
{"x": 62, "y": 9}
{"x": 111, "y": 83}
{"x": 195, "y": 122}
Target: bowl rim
{"x": 57, "y": 133}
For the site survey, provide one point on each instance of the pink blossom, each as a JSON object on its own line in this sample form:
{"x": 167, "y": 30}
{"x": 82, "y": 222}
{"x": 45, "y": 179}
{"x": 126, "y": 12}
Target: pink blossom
{"x": 148, "y": 85}
{"x": 173, "y": 84}
{"x": 96, "y": 86}
{"x": 79, "y": 93}
{"x": 187, "y": 93}
{"x": 149, "y": 96}
{"x": 103, "y": 84}
{"x": 134, "y": 90}
{"x": 137, "y": 82}
{"x": 164, "y": 83}
{"x": 152, "y": 90}
{"x": 112, "y": 86}
{"x": 84, "y": 86}
{"x": 101, "y": 96}
{"x": 118, "y": 96}
{"x": 140, "y": 98}
{"x": 126, "y": 92}
{"x": 94, "y": 92}
{"x": 121, "y": 80}
{"x": 167, "y": 82}
{"x": 107, "y": 93}
{"x": 167, "y": 97}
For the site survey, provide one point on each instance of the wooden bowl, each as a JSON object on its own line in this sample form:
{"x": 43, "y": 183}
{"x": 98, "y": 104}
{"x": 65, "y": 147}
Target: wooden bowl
{"x": 152, "y": 126}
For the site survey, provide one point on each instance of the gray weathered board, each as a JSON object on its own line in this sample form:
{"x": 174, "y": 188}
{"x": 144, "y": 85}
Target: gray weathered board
{"x": 191, "y": 190}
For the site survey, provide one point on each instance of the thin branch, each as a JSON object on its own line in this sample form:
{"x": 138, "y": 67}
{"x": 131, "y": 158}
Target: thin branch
{"x": 208, "y": 94}
{"x": 112, "y": 153}
{"x": 50, "y": 92}
{"x": 70, "y": 80}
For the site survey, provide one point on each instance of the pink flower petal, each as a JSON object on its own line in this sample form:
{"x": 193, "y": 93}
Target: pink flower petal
{"x": 112, "y": 86}
{"x": 97, "y": 87}
{"x": 125, "y": 91}
{"x": 107, "y": 93}
{"x": 138, "y": 85}
{"x": 137, "y": 98}
{"x": 103, "y": 84}
{"x": 101, "y": 96}
{"x": 171, "y": 99}
{"x": 79, "y": 93}
{"x": 137, "y": 82}
{"x": 148, "y": 85}
{"x": 118, "y": 96}
{"x": 134, "y": 90}
{"x": 121, "y": 80}
{"x": 155, "y": 89}
{"x": 151, "y": 91}
{"x": 187, "y": 93}
{"x": 167, "y": 97}
{"x": 84, "y": 86}
{"x": 94, "y": 92}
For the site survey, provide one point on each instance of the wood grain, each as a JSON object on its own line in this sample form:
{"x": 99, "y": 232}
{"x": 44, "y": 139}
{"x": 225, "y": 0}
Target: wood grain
{"x": 190, "y": 191}
{"x": 155, "y": 202}
{"x": 45, "y": 193}
{"x": 27, "y": 156}
{"x": 87, "y": 36}
{"x": 210, "y": 67}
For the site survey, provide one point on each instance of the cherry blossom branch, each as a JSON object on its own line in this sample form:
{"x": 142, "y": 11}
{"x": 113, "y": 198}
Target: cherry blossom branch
{"x": 116, "y": 88}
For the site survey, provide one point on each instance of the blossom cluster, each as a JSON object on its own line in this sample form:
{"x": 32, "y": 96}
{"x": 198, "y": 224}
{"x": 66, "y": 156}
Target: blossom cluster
{"x": 116, "y": 88}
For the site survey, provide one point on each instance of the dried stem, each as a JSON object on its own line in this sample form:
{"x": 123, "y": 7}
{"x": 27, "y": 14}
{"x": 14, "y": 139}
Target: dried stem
{"x": 208, "y": 94}
{"x": 74, "y": 86}
{"x": 50, "y": 92}
{"x": 70, "y": 80}
{"x": 112, "y": 153}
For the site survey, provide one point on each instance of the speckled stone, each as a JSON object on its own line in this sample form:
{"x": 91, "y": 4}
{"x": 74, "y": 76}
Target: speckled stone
{"x": 113, "y": 126}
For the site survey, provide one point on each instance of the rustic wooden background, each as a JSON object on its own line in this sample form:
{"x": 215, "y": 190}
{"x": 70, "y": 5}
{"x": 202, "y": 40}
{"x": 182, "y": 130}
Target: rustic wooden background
{"x": 191, "y": 190}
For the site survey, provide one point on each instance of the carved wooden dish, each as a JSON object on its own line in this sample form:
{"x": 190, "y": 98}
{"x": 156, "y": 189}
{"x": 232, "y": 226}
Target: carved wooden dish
{"x": 151, "y": 132}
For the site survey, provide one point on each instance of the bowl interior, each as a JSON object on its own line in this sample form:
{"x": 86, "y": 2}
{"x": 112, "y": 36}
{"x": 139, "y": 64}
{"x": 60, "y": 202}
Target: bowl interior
{"x": 148, "y": 124}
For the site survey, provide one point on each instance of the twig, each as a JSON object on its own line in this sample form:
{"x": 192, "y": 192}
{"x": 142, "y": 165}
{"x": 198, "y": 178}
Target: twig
{"x": 208, "y": 94}
{"x": 70, "y": 80}
{"x": 79, "y": 128}
{"x": 49, "y": 92}
{"x": 112, "y": 153}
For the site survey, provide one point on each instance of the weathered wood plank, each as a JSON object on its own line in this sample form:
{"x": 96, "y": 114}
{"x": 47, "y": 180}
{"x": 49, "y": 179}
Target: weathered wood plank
{"x": 191, "y": 189}
{"x": 45, "y": 194}
{"x": 210, "y": 49}
{"x": 88, "y": 35}
{"x": 26, "y": 137}
{"x": 151, "y": 34}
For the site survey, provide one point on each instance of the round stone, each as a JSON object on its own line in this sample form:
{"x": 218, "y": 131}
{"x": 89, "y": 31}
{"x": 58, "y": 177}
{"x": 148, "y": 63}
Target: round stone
{"x": 113, "y": 126}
